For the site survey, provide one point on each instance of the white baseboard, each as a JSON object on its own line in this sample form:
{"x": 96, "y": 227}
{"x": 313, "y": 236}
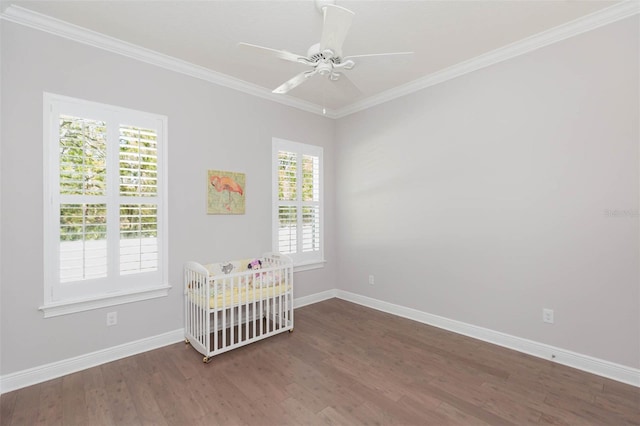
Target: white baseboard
{"x": 314, "y": 298}
{"x": 582, "y": 362}
{"x": 42, "y": 373}
{"x": 621, "y": 373}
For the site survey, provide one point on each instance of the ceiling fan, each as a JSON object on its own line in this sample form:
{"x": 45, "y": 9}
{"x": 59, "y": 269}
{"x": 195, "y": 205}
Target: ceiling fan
{"x": 325, "y": 58}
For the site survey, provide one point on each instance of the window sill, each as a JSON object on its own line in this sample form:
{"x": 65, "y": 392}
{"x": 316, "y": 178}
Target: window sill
{"x": 73, "y": 306}
{"x": 307, "y": 266}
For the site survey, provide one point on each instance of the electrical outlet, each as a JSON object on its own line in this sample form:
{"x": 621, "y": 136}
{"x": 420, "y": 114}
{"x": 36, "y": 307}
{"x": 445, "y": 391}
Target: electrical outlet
{"x": 371, "y": 280}
{"x": 547, "y": 315}
{"x": 112, "y": 318}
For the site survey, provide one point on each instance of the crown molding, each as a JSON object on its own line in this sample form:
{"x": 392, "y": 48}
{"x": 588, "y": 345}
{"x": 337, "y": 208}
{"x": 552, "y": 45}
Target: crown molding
{"x": 22, "y": 16}
{"x": 39, "y": 21}
{"x": 581, "y": 25}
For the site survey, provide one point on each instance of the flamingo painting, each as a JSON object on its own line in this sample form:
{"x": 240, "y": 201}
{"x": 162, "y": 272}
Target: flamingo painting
{"x": 222, "y": 189}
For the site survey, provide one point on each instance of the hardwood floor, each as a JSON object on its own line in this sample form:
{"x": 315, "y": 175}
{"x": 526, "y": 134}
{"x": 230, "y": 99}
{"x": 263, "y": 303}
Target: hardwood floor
{"x": 344, "y": 364}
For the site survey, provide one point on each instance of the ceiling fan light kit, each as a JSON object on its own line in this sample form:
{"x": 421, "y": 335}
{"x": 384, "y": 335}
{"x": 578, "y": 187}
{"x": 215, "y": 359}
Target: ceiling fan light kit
{"x": 325, "y": 58}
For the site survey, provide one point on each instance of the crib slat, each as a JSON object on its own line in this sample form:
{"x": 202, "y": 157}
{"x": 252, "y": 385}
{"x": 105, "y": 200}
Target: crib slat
{"x": 267, "y": 301}
{"x": 203, "y": 311}
{"x": 261, "y": 305}
{"x": 216, "y": 324}
{"x": 246, "y": 306}
{"x": 231, "y": 311}
{"x": 280, "y": 308}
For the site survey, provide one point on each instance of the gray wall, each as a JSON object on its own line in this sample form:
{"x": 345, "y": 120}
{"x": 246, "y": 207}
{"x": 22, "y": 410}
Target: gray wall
{"x": 482, "y": 199}
{"x": 210, "y": 127}
{"x": 485, "y": 199}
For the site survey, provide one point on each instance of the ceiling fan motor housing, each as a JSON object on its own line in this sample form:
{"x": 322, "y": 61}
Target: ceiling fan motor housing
{"x": 315, "y": 55}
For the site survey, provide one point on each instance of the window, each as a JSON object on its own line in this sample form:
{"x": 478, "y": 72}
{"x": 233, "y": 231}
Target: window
{"x": 104, "y": 205}
{"x": 297, "y": 202}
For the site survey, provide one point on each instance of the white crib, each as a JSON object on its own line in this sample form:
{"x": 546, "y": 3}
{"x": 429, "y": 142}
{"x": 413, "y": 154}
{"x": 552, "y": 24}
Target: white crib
{"x": 228, "y": 305}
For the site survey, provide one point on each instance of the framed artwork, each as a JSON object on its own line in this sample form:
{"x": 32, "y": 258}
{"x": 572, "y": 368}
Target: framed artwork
{"x": 225, "y": 192}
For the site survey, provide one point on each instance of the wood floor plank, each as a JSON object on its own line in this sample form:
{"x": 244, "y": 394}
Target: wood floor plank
{"x": 171, "y": 402}
{"x": 25, "y": 410}
{"x": 367, "y": 376}
{"x": 333, "y": 385}
{"x": 100, "y": 405}
{"x": 7, "y": 404}
{"x": 27, "y": 398}
{"x": 296, "y": 412}
{"x": 50, "y": 407}
{"x": 118, "y": 404}
{"x": 93, "y": 379}
{"x": 274, "y": 414}
{"x": 224, "y": 390}
{"x": 455, "y": 415}
{"x": 560, "y": 418}
{"x": 145, "y": 403}
{"x": 472, "y": 392}
{"x": 630, "y": 410}
{"x": 74, "y": 403}
{"x": 620, "y": 390}
{"x": 515, "y": 410}
{"x": 309, "y": 399}
{"x": 371, "y": 414}
{"x": 330, "y": 416}
{"x": 344, "y": 364}
{"x": 24, "y": 417}
{"x": 412, "y": 410}
{"x": 528, "y": 396}
{"x": 466, "y": 403}
{"x": 582, "y": 409}
{"x": 114, "y": 399}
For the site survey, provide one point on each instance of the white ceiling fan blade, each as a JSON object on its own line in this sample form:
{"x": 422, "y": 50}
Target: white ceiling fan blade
{"x": 282, "y": 54}
{"x": 337, "y": 21}
{"x": 379, "y": 56}
{"x": 294, "y": 82}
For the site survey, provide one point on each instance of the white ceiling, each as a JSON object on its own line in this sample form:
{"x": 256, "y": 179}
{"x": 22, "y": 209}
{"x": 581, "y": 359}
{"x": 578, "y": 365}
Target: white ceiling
{"x": 206, "y": 33}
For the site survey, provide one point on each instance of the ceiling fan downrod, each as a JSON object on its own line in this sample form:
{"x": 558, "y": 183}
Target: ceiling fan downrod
{"x": 321, "y": 4}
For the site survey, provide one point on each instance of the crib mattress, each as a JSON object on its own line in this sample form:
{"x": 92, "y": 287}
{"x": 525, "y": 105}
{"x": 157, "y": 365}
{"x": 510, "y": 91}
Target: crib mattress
{"x": 238, "y": 296}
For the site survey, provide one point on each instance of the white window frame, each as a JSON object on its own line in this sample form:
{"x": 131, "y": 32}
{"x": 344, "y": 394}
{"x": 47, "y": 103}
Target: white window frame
{"x": 309, "y": 260}
{"x": 65, "y": 298}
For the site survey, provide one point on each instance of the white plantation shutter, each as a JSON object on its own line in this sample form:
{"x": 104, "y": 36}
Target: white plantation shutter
{"x": 310, "y": 203}
{"x": 105, "y": 216}
{"x": 83, "y": 210}
{"x": 297, "y": 195}
{"x": 310, "y": 229}
{"x": 138, "y": 173}
{"x": 138, "y": 238}
{"x": 83, "y": 242}
{"x": 287, "y": 229}
{"x": 138, "y": 162}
